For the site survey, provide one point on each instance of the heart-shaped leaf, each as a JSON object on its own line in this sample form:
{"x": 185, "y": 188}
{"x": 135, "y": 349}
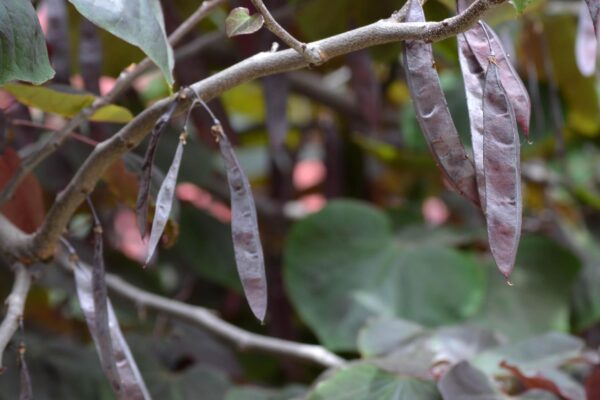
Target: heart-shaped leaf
{"x": 240, "y": 22}
{"x": 343, "y": 265}
{"x": 23, "y": 51}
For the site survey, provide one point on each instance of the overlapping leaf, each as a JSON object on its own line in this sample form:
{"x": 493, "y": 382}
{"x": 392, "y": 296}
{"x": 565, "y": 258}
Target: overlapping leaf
{"x": 54, "y": 99}
{"x": 139, "y": 22}
{"x": 23, "y": 53}
{"x": 240, "y": 22}
{"x": 244, "y": 228}
{"x": 433, "y": 114}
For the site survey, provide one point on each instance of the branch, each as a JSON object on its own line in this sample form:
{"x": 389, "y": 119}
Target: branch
{"x": 42, "y": 244}
{"x": 124, "y": 82}
{"x": 311, "y": 54}
{"x": 243, "y": 340}
{"x": 16, "y": 304}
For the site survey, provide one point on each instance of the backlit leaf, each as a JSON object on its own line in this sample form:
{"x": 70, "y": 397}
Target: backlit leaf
{"x": 139, "y": 22}
{"x": 240, "y": 22}
{"x": 52, "y": 100}
{"x": 23, "y": 53}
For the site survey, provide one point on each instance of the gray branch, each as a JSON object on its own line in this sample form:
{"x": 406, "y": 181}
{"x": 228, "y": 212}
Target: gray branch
{"x": 243, "y": 340}
{"x": 15, "y": 304}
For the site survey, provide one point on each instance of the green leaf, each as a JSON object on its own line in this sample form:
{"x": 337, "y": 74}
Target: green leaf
{"x": 539, "y": 352}
{"x": 240, "y": 22}
{"x": 464, "y": 381}
{"x": 342, "y": 266}
{"x": 367, "y": 382}
{"x": 538, "y": 301}
{"x": 520, "y": 5}
{"x": 139, "y": 22}
{"x": 383, "y": 335}
{"x": 23, "y": 53}
{"x": 66, "y": 104}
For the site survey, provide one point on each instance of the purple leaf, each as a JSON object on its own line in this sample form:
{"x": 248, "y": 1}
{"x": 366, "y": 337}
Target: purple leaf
{"x": 164, "y": 200}
{"x": 141, "y": 206}
{"x": 501, "y": 161}
{"x": 433, "y": 114}
{"x": 586, "y": 44}
{"x": 244, "y": 228}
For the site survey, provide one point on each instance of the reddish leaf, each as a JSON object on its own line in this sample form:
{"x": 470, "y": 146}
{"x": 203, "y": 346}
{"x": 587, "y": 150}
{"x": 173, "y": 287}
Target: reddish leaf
{"x": 244, "y": 228}
{"x": 476, "y": 37}
{"x": 539, "y": 381}
{"x": 501, "y": 162}
{"x": 592, "y": 384}
{"x": 26, "y": 207}
{"x": 122, "y": 182}
{"x": 586, "y": 43}
{"x": 433, "y": 114}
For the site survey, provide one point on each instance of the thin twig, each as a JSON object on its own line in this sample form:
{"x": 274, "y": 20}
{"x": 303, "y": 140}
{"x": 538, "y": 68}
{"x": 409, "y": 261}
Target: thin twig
{"x": 243, "y": 340}
{"x": 124, "y": 82}
{"x": 42, "y": 244}
{"x": 311, "y": 53}
{"x": 16, "y": 303}
{"x": 35, "y": 125}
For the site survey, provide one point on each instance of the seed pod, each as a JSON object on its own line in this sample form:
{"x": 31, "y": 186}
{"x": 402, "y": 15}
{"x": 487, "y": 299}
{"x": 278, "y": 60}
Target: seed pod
{"x": 244, "y": 228}
{"x": 433, "y": 113}
{"x": 501, "y": 161}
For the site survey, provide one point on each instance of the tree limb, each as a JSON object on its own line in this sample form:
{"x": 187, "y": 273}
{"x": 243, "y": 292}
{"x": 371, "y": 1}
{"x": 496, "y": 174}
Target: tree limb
{"x": 16, "y": 303}
{"x": 42, "y": 244}
{"x": 123, "y": 83}
{"x": 199, "y": 316}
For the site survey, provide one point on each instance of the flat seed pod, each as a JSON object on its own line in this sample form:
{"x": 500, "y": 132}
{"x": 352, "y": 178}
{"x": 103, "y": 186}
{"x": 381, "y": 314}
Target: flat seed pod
{"x": 594, "y": 7}
{"x": 244, "y": 228}
{"x": 474, "y": 78}
{"x": 501, "y": 161}
{"x": 476, "y": 37}
{"x": 164, "y": 200}
{"x": 586, "y": 44}
{"x": 141, "y": 206}
{"x": 433, "y": 114}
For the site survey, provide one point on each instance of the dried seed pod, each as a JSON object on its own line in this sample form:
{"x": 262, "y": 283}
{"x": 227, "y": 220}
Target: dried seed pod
{"x": 433, "y": 113}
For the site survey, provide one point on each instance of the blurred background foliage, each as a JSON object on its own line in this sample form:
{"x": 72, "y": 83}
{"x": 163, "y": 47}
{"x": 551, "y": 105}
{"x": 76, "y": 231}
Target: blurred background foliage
{"x": 366, "y": 250}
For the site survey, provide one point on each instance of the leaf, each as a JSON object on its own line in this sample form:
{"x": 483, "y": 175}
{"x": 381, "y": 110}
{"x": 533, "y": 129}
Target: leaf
{"x": 502, "y": 167}
{"x": 476, "y": 37}
{"x": 139, "y": 22}
{"x": 464, "y": 381}
{"x": 26, "y": 207}
{"x": 586, "y": 43}
{"x": 23, "y": 53}
{"x": 539, "y": 300}
{"x": 520, "y": 5}
{"x": 382, "y": 335}
{"x": 433, "y": 114}
{"x": 244, "y": 228}
{"x": 592, "y": 384}
{"x": 240, "y": 22}
{"x": 164, "y": 201}
{"x": 555, "y": 382}
{"x": 132, "y": 385}
{"x": 535, "y": 353}
{"x": 54, "y": 99}
{"x": 367, "y": 382}
{"x": 141, "y": 206}
{"x": 342, "y": 265}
